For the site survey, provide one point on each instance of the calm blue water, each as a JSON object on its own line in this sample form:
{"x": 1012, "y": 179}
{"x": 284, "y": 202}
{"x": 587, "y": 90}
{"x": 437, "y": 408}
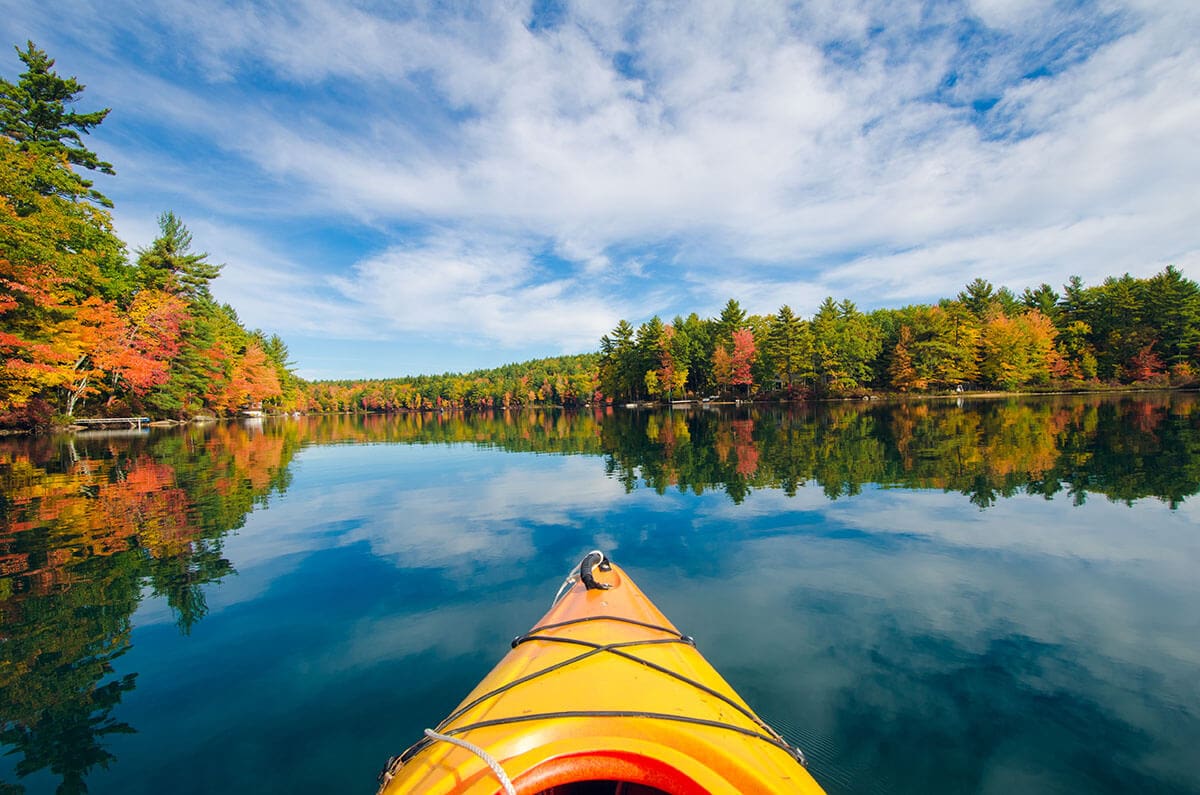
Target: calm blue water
{"x": 281, "y": 608}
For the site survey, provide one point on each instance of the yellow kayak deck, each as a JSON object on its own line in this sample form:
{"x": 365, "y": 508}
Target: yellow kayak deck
{"x": 603, "y": 689}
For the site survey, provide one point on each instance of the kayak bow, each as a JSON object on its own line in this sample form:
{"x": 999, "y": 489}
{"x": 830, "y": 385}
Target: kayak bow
{"x": 603, "y": 695}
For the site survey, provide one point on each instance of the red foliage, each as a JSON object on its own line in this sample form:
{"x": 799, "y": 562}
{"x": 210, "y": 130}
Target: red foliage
{"x": 742, "y": 358}
{"x": 1145, "y": 365}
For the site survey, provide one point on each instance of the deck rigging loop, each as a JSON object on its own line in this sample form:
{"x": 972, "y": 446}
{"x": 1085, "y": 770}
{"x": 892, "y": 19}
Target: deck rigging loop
{"x": 592, "y": 560}
{"x": 583, "y": 571}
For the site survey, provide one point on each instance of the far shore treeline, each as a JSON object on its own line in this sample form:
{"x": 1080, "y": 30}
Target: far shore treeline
{"x": 88, "y": 330}
{"x": 1126, "y": 331}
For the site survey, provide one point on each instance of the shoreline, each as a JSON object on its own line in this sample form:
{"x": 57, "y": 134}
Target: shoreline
{"x": 871, "y": 397}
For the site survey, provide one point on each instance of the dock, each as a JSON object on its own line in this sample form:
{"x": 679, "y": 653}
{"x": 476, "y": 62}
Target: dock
{"x": 104, "y": 422}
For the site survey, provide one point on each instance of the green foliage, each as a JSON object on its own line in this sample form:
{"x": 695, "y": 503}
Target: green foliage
{"x": 169, "y": 263}
{"x": 732, "y": 318}
{"x": 34, "y": 114}
{"x": 556, "y": 381}
{"x": 789, "y": 348}
{"x": 1124, "y": 330}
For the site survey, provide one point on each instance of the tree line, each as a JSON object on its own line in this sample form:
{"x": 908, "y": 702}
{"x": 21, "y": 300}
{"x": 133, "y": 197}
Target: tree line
{"x": 556, "y": 381}
{"x": 1126, "y": 330}
{"x": 83, "y": 327}
{"x": 1123, "y": 331}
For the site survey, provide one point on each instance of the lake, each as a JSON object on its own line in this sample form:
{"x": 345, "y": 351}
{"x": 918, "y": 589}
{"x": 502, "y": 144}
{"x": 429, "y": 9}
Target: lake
{"x": 936, "y": 596}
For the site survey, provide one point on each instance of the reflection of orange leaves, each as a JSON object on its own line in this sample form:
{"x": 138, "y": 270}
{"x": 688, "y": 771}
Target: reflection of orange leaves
{"x": 96, "y": 508}
{"x": 149, "y": 477}
{"x": 744, "y": 447}
{"x": 247, "y": 458}
{"x": 1027, "y": 443}
{"x": 722, "y": 444}
{"x": 743, "y": 430}
{"x": 747, "y": 460}
{"x": 1146, "y": 418}
{"x": 14, "y": 564}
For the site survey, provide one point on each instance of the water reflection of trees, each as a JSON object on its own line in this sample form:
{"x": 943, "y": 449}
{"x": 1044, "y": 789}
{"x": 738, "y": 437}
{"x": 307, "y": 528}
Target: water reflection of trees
{"x": 1122, "y": 447}
{"x": 88, "y": 526}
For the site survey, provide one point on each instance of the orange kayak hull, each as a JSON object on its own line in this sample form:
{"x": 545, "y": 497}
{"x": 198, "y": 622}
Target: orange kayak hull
{"x": 603, "y": 688}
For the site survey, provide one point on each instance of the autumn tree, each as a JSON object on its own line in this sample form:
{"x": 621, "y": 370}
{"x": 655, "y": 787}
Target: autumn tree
{"x": 722, "y": 367}
{"x": 741, "y": 359}
{"x": 1018, "y": 351}
{"x": 941, "y": 345}
{"x": 55, "y": 254}
{"x": 673, "y": 361}
{"x": 902, "y": 373}
{"x": 1145, "y": 365}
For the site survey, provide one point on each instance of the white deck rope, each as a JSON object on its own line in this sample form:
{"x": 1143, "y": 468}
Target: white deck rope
{"x": 479, "y": 752}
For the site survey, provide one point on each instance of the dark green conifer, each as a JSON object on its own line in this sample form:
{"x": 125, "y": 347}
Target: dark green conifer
{"x": 34, "y": 113}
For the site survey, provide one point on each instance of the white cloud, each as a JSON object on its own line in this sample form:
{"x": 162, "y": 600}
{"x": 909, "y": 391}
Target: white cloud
{"x": 487, "y": 286}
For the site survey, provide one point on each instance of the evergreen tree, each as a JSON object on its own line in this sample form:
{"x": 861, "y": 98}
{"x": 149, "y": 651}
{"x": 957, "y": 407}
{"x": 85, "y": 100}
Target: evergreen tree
{"x": 1172, "y": 305}
{"x": 732, "y": 318}
{"x": 789, "y": 347}
{"x": 33, "y": 113}
{"x": 648, "y": 350}
{"x": 169, "y": 263}
{"x": 617, "y": 362}
{"x": 700, "y": 343}
{"x": 978, "y": 296}
{"x": 1044, "y": 300}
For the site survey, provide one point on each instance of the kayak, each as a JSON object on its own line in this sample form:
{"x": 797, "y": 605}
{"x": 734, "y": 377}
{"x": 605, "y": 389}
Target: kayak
{"x": 602, "y": 695}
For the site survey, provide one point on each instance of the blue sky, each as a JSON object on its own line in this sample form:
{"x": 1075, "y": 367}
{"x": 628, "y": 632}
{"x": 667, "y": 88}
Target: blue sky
{"x": 428, "y": 187}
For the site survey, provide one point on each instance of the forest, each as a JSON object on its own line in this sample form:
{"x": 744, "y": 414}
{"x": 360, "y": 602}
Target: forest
{"x": 1124, "y": 331}
{"x": 88, "y": 330}
{"x": 85, "y": 328}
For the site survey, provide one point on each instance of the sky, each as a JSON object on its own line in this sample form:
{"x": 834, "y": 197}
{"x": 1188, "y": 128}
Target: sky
{"x": 424, "y": 187}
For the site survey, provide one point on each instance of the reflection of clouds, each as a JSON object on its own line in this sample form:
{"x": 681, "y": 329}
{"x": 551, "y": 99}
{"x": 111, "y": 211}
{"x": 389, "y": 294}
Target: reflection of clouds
{"x": 1018, "y": 639}
{"x": 1100, "y": 531}
{"x": 453, "y": 508}
{"x": 395, "y": 637}
{"x": 485, "y": 513}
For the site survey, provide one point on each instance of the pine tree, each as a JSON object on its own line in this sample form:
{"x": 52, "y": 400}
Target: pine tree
{"x": 169, "y": 264}
{"x": 789, "y": 346}
{"x": 1173, "y": 309}
{"x": 732, "y": 318}
{"x": 33, "y": 113}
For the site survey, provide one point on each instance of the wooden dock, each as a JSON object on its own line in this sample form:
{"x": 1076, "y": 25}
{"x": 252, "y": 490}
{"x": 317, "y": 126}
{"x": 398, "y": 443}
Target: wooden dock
{"x": 105, "y": 422}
